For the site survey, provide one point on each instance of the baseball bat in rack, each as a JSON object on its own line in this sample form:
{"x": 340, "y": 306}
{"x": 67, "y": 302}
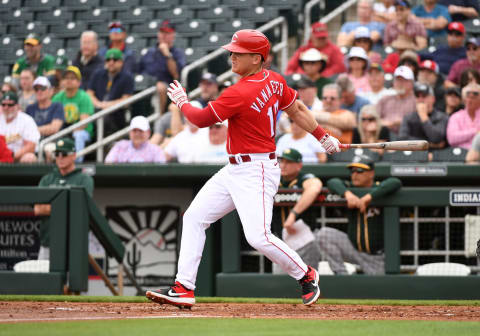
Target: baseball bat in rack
{"x": 407, "y": 145}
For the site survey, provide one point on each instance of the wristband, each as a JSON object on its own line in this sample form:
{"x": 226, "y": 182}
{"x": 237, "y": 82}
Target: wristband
{"x": 319, "y": 133}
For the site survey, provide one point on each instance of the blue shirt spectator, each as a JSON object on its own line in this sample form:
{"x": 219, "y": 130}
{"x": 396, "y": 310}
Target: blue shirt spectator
{"x": 461, "y": 10}
{"x": 357, "y": 105}
{"x": 435, "y": 12}
{"x": 153, "y": 63}
{"x": 117, "y": 35}
{"x": 46, "y": 115}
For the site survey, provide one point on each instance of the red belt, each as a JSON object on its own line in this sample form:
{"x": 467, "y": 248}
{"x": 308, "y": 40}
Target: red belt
{"x": 247, "y": 158}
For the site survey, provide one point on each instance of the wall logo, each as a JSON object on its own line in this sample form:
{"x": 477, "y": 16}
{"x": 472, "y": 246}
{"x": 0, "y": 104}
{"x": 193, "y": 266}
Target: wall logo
{"x": 465, "y": 197}
{"x": 150, "y": 237}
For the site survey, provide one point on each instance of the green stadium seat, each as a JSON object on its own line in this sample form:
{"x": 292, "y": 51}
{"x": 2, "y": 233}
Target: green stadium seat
{"x": 348, "y": 155}
{"x": 147, "y": 29}
{"x": 211, "y": 41}
{"x": 120, "y": 3}
{"x": 96, "y": 15}
{"x": 451, "y": 154}
{"x": 237, "y": 4}
{"x": 76, "y": 5}
{"x": 229, "y": 27}
{"x": 143, "y": 82}
{"x": 258, "y": 14}
{"x": 51, "y": 44}
{"x": 193, "y": 28}
{"x": 194, "y": 54}
{"x": 406, "y": 156}
{"x": 216, "y": 14}
{"x": 23, "y": 29}
{"x": 180, "y": 42}
{"x": 175, "y": 15}
{"x": 200, "y": 4}
{"x": 472, "y": 26}
{"x": 159, "y": 5}
{"x": 56, "y": 15}
{"x": 16, "y": 16}
{"x": 7, "y": 5}
{"x": 136, "y": 42}
{"x": 43, "y": 5}
{"x": 135, "y": 15}
{"x": 70, "y": 29}
{"x": 282, "y": 4}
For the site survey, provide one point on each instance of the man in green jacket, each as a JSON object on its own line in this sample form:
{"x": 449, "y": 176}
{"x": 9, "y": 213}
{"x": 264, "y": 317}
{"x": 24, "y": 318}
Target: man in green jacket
{"x": 363, "y": 244}
{"x": 64, "y": 174}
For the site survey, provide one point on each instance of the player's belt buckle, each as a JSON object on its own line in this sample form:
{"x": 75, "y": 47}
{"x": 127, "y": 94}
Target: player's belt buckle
{"x": 238, "y": 158}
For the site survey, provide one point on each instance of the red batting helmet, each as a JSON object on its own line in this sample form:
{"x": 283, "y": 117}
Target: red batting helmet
{"x": 249, "y": 41}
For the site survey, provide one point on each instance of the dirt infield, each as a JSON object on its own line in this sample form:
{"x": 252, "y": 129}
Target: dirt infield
{"x": 66, "y": 311}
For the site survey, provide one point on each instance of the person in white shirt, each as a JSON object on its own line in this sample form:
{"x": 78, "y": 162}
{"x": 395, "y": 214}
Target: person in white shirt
{"x": 183, "y": 146}
{"x": 214, "y": 151}
{"x": 19, "y": 129}
{"x": 303, "y": 142}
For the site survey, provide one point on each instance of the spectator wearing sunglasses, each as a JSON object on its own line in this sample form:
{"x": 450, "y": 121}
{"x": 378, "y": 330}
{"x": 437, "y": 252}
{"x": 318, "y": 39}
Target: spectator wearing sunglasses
{"x": 64, "y": 174}
{"x": 363, "y": 244}
{"x": 471, "y": 61}
{"x": 19, "y": 129}
{"x": 465, "y": 124}
{"x": 426, "y": 123}
{"x": 48, "y": 116}
{"x": 110, "y": 86}
{"x": 446, "y": 55}
{"x": 370, "y": 128}
{"x": 117, "y": 36}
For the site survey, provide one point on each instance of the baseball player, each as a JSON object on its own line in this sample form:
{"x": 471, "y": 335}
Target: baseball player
{"x": 249, "y": 183}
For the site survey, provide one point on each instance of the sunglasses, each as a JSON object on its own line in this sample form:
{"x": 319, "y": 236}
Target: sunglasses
{"x": 357, "y": 170}
{"x": 329, "y": 98}
{"x": 473, "y": 93}
{"x": 369, "y": 119}
{"x": 111, "y": 59}
{"x": 8, "y": 105}
{"x": 455, "y": 32}
{"x": 61, "y": 154}
{"x": 421, "y": 95}
{"x": 39, "y": 88}
{"x": 362, "y": 40}
{"x": 471, "y": 47}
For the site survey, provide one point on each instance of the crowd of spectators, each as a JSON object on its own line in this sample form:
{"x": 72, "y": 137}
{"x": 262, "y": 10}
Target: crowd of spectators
{"x": 379, "y": 81}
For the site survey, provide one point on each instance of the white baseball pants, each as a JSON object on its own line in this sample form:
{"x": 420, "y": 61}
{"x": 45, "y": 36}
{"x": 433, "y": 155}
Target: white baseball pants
{"x": 248, "y": 187}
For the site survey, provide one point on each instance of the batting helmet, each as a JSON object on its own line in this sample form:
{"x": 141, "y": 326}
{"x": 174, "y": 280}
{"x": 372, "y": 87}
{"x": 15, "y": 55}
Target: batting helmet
{"x": 249, "y": 41}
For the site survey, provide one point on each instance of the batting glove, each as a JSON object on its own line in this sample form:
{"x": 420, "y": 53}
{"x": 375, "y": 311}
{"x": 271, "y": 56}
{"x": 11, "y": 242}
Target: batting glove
{"x": 177, "y": 94}
{"x": 330, "y": 144}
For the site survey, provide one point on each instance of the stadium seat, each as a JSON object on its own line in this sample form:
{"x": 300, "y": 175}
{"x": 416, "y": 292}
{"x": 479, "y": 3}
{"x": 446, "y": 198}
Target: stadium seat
{"x": 438, "y": 41}
{"x": 193, "y": 28}
{"x": 175, "y": 15}
{"x": 472, "y": 26}
{"x": 44, "y": 5}
{"x": 97, "y": 15}
{"x": 231, "y": 26}
{"x": 135, "y": 15}
{"x": 406, "y": 156}
{"x": 7, "y": 5}
{"x": 136, "y": 43}
{"x": 348, "y": 155}
{"x": 216, "y": 14}
{"x": 51, "y": 44}
{"x": 76, "y": 5}
{"x": 236, "y": 4}
{"x": 258, "y": 14}
{"x": 57, "y": 15}
{"x": 23, "y": 29}
{"x": 194, "y": 54}
{"x": 211, "y": 41}
{"x": 200, "y": 4}
{"x": 4, "y": 70}
{"x": 69, "y": 53}
{"x": 120, "y": 3}
{"x": 147, "y": 29}
{"x": 71, "y": 29}
{"x": 451, "y": 154}
{"x": 159, "y": 5}
{"x": 180, "y": 42}
{"x": 143, "y": 82}
{"x": 282, "y": 4}
{"x": 443, "y": 269}
{"x": 16, "y": 16}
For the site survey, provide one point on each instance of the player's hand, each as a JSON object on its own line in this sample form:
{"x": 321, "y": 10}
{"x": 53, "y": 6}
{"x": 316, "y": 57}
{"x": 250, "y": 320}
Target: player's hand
{"x": 365, "y": 202}
{"x": 330, "y": 144}
{"x": 177, "y": 94}
{"x": 352, "y": 200}
{"x": 288, "y": 224}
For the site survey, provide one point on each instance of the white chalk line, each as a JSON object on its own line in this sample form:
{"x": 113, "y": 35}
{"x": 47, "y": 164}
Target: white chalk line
{"x": 85, "y": 318}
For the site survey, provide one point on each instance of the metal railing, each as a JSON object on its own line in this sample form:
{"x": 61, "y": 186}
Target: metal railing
{"x": 98, "y": 117}
{"x": 308, "y": 14}
{"x": 282, "y": 46}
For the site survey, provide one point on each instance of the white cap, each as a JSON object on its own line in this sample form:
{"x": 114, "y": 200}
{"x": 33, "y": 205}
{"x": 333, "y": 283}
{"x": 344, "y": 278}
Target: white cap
{"x": 362, "y": 32}
{"x": 139, "y": 122}
{"x": 313, "y": 55}
{"x": 358, "y": 52}
{"x": 404, "y": 72}
{"x": 42, "y": 81}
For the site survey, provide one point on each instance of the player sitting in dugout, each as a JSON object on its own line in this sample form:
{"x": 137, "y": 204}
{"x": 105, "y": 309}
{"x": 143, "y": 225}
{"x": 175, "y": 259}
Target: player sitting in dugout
{"x": 363, "y": 244}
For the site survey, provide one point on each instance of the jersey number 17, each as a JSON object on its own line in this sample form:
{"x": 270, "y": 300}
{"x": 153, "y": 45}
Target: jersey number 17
{"x": 272, "y": 115}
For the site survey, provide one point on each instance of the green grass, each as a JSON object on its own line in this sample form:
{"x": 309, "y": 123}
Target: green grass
{"x": 212, "y": 327}
{"x": 140, "y": 299}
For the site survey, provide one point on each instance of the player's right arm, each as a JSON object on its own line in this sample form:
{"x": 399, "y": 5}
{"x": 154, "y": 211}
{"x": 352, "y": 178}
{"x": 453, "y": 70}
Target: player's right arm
{"x": 302, "y": 116}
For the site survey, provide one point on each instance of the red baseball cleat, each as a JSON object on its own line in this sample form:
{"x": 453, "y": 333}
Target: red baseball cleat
{"x": 310, "y": 288}
{"x": 177, "y": 295}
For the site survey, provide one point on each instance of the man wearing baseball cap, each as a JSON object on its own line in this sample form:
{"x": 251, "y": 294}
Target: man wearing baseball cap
{"x": 117, "y": 35}
{"x": 363, "y": 244}
{"x": 446, "y": 55}
{"x": 18, "y": 128}
{"x": 34, "y": 59}
{"x": 137, "y": 149}
{"x": 109, "y": 86}
{"x": 48, "y": 116}
{"x": 77, "y": 105}
{"x": 163, "y": 61}
{"x": 426, "y": 123}
{"x": 320, "y": 41}
{"x": 63, "y": 174}
{"x": 471, "y": 61}
{"x": 393, "y": 108}
{"x": 429, "y": 73}
{"x": 208, "y": 88}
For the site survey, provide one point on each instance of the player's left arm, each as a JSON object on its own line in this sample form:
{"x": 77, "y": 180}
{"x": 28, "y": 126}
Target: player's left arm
{"x": 302, "y": 116}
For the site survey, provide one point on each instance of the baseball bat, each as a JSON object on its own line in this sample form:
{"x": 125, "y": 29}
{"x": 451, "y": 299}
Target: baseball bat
{"x": 407, "y": 145}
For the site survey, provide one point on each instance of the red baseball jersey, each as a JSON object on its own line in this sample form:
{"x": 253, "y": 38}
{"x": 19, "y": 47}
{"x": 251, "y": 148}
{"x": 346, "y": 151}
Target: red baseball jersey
{"x": 251, "y": 107}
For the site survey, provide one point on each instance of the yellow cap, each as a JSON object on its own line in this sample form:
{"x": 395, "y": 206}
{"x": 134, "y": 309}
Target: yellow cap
{"x": 75, "y": 70}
